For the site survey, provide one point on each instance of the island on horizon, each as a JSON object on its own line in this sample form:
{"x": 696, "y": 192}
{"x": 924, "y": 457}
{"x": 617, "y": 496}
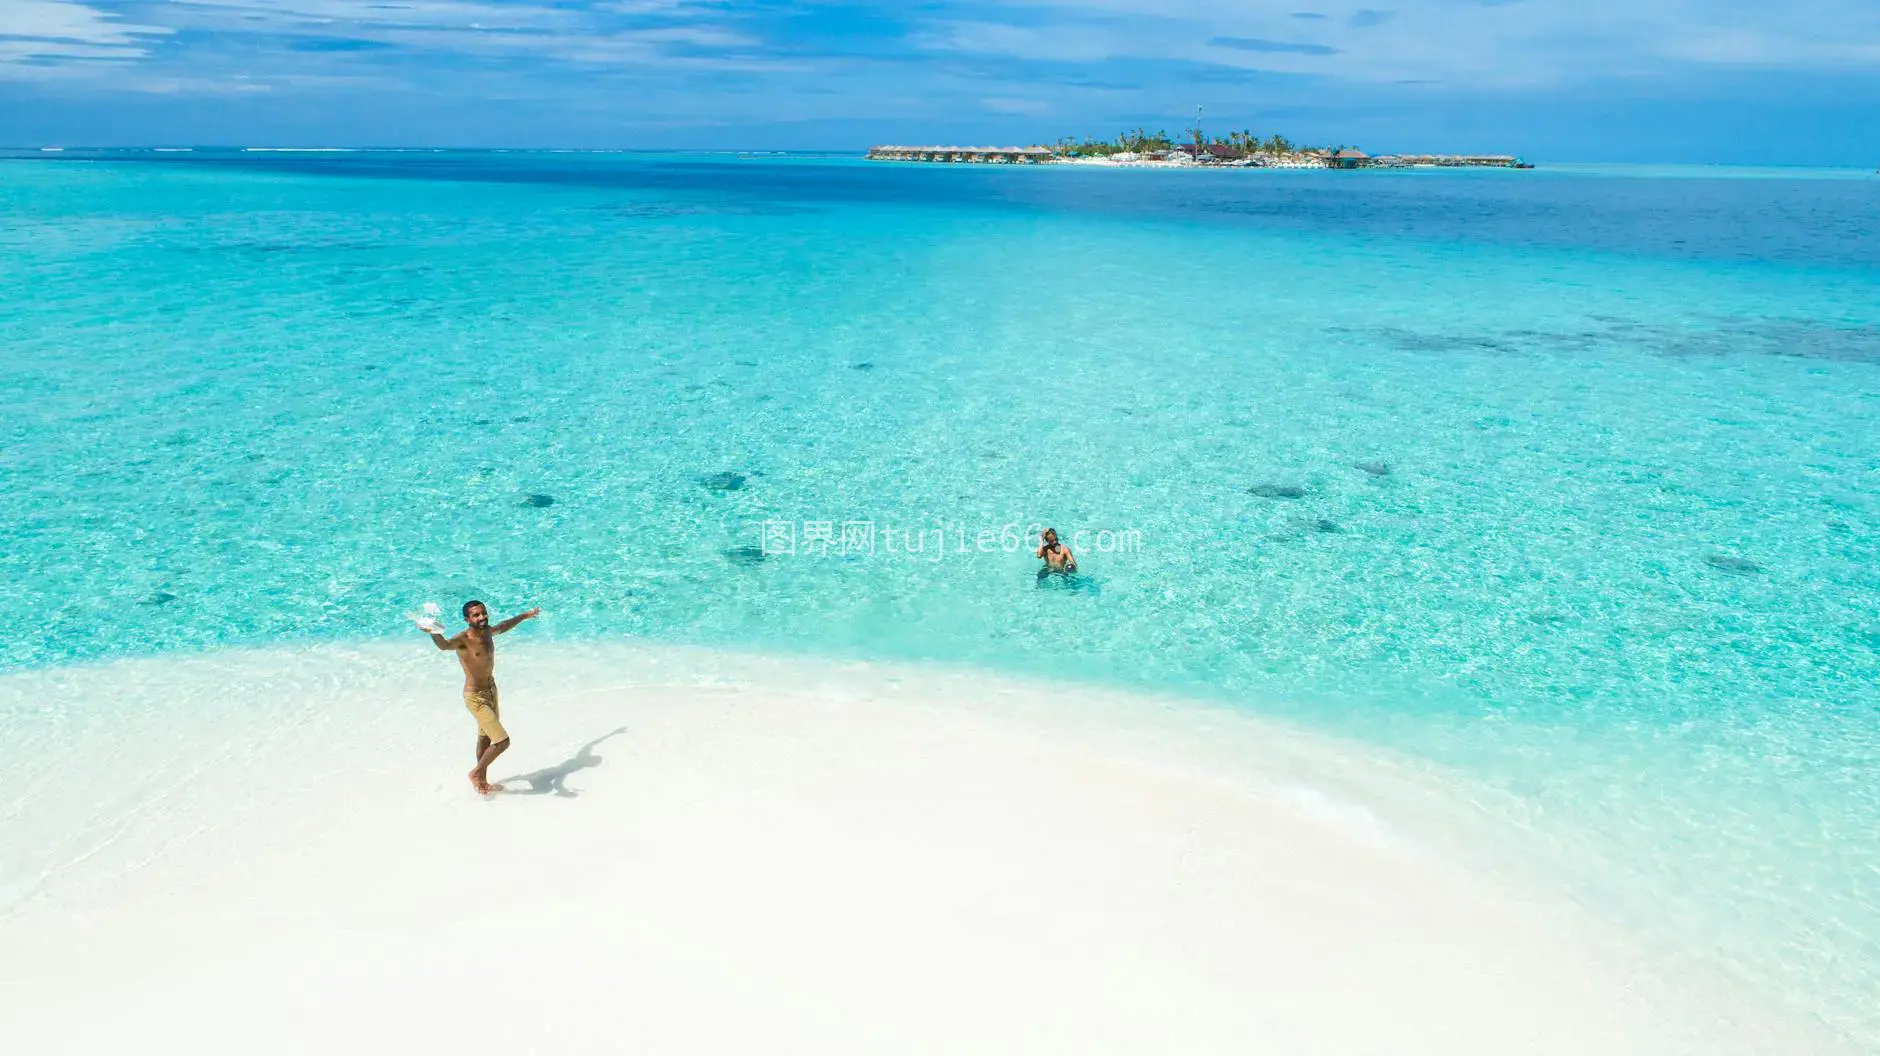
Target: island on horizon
{"x": 1243, "y": 150}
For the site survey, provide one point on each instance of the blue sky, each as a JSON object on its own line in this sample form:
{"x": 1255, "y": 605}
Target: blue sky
{"x": 1671, "y": 80}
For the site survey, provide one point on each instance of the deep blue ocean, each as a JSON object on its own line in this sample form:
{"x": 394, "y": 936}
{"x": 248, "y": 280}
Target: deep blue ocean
{"x": 1565, "y": 482}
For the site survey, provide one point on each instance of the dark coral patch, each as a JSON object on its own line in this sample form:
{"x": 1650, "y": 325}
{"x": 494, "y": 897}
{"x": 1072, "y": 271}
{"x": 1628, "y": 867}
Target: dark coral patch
{"x": 1736, "y": 566}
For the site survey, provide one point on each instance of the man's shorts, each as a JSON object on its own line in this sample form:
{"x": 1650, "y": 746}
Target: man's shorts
{"x": 482, "y": 704}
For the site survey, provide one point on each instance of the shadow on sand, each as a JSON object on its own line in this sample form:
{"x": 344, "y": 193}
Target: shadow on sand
{"x": 553, "y": 780}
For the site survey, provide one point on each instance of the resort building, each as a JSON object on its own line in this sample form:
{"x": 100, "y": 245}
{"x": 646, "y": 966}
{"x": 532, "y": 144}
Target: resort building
{"x": 1297, "y": 161}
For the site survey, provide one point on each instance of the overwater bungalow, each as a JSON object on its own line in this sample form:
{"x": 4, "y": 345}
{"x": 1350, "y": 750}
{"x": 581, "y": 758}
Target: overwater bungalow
{"x": 1450, "y": 161}
{"x": 967, "y": 155}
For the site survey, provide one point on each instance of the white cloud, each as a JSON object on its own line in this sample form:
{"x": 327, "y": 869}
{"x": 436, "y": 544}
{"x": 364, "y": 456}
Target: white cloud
{"x": 274, "y": 15}
{"x": 663, "y": 7}
{"x": 66, "y": 40}
{"x": 465, "y": 27}
{"x": 1469, "y": 44}
{"x": 65, "y": 20}
{"x": 1463, "y": 42}
{"x": 1736, "y": 46}
{"x": 1059, "y": 43}
{"x": 164, "y": 85}
{"x": 1022, "y": 107}
{"x": 36, "y": 33}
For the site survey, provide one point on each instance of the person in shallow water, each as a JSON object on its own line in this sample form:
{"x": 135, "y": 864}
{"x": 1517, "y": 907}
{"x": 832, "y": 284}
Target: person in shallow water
{"x": 476, "y": 651}
{"x": 1057, "y": 557}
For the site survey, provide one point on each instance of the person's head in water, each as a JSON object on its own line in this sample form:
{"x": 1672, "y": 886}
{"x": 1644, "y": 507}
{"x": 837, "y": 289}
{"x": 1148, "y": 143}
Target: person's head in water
{"x": 476, "y": 614}
{"x": 1050, "y": 538}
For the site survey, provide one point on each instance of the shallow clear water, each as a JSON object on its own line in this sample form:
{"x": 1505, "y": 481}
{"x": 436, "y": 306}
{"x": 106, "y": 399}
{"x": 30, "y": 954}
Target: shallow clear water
{"x": 1584, "y": 461}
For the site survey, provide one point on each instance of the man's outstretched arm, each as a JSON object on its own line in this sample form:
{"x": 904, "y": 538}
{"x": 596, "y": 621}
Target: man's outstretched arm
{"x": 449, "y": 645}
{"x": 510, "y": 623}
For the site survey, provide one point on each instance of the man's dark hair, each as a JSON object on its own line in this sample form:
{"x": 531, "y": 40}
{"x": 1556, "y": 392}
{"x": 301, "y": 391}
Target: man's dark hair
{"x": 471, "y": 604}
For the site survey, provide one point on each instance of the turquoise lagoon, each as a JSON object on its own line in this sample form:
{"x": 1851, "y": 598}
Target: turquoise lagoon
{"x": 1560, "y": 485}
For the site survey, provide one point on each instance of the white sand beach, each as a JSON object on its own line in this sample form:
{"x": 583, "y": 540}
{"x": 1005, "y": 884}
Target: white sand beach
{"x": 1131, "y": 161}
{"x": 700, "y": 852}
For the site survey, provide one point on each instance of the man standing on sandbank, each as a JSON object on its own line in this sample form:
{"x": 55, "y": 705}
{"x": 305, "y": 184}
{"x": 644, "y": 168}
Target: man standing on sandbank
{"x": 476, "y": 651}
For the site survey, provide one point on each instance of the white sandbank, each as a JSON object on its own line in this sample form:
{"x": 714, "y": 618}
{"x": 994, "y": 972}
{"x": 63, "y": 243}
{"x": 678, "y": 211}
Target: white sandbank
{"x": 271, "y": 852}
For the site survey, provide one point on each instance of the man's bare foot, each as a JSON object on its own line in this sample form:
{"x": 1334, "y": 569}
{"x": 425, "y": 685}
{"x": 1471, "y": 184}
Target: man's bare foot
{"x": 481, "y": 784}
